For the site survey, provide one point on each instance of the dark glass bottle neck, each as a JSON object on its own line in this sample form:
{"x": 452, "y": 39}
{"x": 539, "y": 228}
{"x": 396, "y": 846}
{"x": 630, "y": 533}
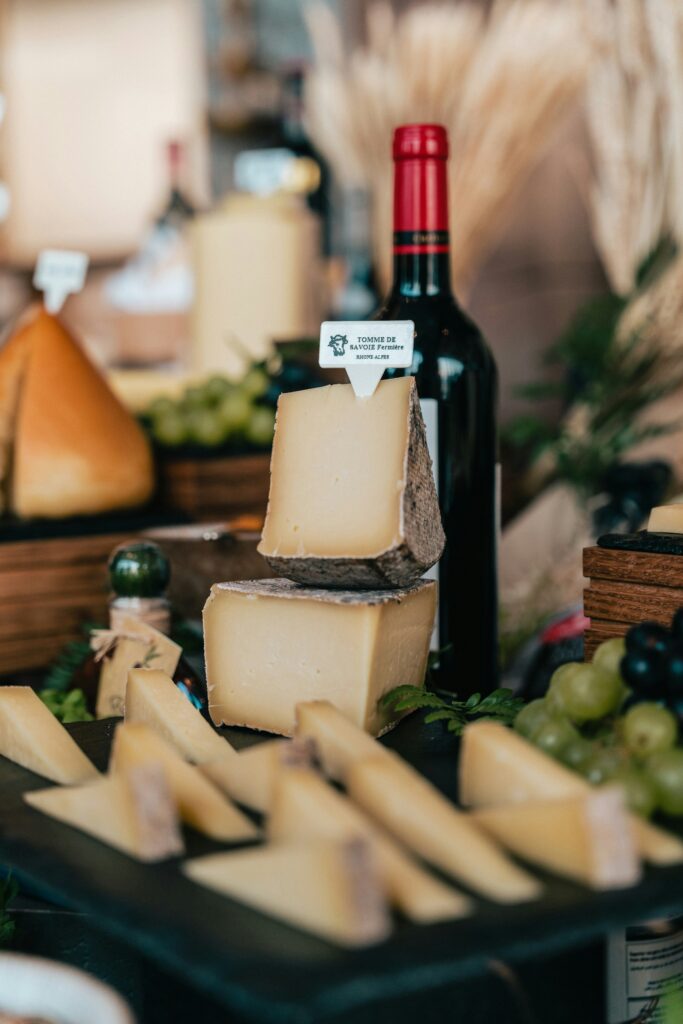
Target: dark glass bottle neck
{"x": 420, "y": 275}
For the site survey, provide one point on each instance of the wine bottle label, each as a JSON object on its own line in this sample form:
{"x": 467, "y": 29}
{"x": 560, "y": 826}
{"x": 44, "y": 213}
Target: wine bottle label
{"x": 421, "y": 242}
{"x": 643, "y": 965}
{"x": 430, "y": 414}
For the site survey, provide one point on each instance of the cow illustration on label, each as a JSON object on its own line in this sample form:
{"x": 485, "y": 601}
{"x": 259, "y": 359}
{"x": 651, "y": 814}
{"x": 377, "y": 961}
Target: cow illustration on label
{"x": 338, "y": 343}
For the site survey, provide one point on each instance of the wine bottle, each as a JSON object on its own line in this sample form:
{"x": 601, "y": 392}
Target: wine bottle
{"x": 457, "y": 383}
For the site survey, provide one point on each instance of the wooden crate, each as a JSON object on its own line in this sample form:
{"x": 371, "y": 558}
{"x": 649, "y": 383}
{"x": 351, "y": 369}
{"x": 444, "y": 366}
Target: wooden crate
{"x": 220, "y": 488}
{"x": 626, "y": 587}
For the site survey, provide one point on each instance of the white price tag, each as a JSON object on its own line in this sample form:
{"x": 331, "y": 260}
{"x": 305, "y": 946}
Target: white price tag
{"x": 59, "y": 272}
{"x": 366, "y": 348}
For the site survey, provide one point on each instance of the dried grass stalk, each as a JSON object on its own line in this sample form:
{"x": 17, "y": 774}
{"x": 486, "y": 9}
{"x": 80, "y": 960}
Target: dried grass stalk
{"x": 500, "y": 85}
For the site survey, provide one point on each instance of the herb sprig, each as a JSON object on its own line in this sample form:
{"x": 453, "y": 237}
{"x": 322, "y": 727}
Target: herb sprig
{"x": 501, "y": 705}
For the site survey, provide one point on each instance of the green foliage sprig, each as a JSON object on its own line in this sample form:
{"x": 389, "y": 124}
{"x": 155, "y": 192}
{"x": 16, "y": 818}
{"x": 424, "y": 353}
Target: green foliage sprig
{"x": 66, "y": 705}
{"x": 501, "y": 705}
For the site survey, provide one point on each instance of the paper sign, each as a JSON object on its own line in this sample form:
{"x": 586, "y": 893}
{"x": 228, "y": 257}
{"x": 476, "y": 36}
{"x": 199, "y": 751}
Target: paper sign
{"x": 366, "y": 348}
{"x": 59, "y": 272}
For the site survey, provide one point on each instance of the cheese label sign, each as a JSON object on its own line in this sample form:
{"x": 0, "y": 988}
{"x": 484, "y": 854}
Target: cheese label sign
{"x": 59, "y": 272}
{"x": 366, "y": 348}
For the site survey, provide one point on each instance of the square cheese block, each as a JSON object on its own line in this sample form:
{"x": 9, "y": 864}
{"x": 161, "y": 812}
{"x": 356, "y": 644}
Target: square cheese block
{"x": 353, "y": 501}
{"x": 271, "y": 644}
{"x": 666, "y": 519}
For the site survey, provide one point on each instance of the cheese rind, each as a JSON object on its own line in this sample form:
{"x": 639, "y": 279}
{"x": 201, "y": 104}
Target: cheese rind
{"x": 31, "y": 736}
{"x": 249, "y": 778}
{"x": 498, "y": 766}
{"x": 666, "y": 519}
{"x": 305, "y": 807}
{"x": 589, "y": 838}
{"x": 199, "y": 803}
{"x": 133, "y": 811}
{"x": 152, "y": 698}
{"x": 326, "y": 887}
{"x": 353, "y": 502}
{"x": 271, "y": 644}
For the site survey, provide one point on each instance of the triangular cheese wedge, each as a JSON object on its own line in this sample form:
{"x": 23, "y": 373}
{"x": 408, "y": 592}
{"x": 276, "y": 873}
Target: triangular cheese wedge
{"x": 328, "y": 888}
{"x": 588, "y": 839}
{"x": 77, "y": 451}
{"x": 249, "y": 778}
{"x": 153, "y": 699}
{"x": 133, "y": 811}
{"x": 353, "y": 503}
{"x": 305, "y": 807}
{"x": 498, "y": 766}
{"x": 199, "y": 803}
{"x": 31, "y": 736}
{"x": 400, "y": 799}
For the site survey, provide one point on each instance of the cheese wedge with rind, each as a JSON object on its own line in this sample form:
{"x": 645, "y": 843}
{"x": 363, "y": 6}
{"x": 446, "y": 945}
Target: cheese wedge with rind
{"x": 353, "y": 502}
{"x": 31, "y": 736}
{"x": 271, "y": 644}
{"x": 305, "y": 807}
{"x": 498, "y": 766}
{"x": 153, "y": 699}
{"x": 410, "y": 808}
{"x": 588, "y": 839}
{"x": 414, "y": 812}
{"x": 328, "y": 888}
{"x": 200, "y": 804}
{"x": 250, "y": 777}
{"x": 133, "y": 811}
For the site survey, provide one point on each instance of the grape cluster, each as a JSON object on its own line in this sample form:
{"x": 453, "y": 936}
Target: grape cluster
{"x": 653, "y": 663}
{"x": 215, "y": 413}
{"x": 616, "y": 719}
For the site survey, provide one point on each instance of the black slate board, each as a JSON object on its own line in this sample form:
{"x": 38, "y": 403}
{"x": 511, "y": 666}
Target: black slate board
{"x": 649, "y": 543}
{"x": 265, "y": 971}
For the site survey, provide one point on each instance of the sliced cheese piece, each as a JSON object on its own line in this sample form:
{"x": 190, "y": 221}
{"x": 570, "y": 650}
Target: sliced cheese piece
{"x": 249, "y": 778}
{"x": 153, "y": 699}
{"x": 328, "y": 888}
{"x": 271, "y": 644}
{"x": 589, "y": 838}
{"x": 406, "y": 804}
{"x": 338, "y": 741}
{"x": 133, "y": 811}
{"x": 31, "y": 736}
{"x": 199, "y": 803}
{"x": 353, "y": 501}
{"x": 666, "y": 519}
{"x": 498, "y": 766}
{"x": 305, "y": 807}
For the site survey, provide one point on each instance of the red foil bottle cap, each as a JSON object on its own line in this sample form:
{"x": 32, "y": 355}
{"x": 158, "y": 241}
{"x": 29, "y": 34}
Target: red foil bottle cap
{"x": 420, "y": 140}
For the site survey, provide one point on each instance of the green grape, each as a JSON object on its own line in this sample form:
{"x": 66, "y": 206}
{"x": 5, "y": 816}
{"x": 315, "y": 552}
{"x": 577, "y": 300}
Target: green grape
{"x": 589, "y": 693}
{"x": 639, "y": 791}
{"x": 605, "y": 764}
{"x": 206, "y": 428}
{"x": 531, "y": 717}
{"x": 170, "y": 429}
{"x": 555, "y": 695}
{"x": 255, "y": 383}
{"x": 235, "y": 411}
{"x": 577, "y": 753}
{"x": 194, "y": 399}
{"x": 554, "y": 735}
{"x": 647, "y": 728}
{"x": 261, "y": 426}
{"x": 160, "y": 407}
{"x": 665, "y": 771}
{"x": 216, "y": 388}
{"x": 609, "y": 654}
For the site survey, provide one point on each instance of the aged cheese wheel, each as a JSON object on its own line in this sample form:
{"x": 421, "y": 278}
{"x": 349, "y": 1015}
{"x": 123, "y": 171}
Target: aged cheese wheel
{"x": 353, "y": 502}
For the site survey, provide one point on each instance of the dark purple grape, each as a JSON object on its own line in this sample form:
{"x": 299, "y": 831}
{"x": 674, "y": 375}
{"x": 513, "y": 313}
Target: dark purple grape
{"x": 647, "y": 637}
{"x": 677, "y": 624}
{"x": 643, "y": 672}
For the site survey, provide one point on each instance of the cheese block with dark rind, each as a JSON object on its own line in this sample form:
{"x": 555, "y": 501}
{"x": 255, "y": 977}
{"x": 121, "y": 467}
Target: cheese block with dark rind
{"x": 421, "y": 537}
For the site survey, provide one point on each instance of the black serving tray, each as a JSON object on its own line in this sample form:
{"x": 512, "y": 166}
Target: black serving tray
{"x": 262, "y": 970}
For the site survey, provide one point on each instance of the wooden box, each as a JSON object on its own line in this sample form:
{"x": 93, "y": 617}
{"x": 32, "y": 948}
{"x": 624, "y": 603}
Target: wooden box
{"x": 629, "y": 586}
{"x": 220, "y": 488}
